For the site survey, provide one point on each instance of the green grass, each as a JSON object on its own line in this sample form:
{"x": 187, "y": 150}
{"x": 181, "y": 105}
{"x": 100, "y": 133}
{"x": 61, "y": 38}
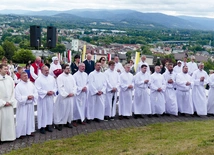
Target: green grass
{"x": 178, "y": 138}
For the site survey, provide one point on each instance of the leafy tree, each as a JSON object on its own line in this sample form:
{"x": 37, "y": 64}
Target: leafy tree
{"x": 23, "y": 56}
{"x": 9, "y": 49}
{"x": 2, "y": 53}
{"x": 59, "y": 48}
{"x": 145, "y": 50}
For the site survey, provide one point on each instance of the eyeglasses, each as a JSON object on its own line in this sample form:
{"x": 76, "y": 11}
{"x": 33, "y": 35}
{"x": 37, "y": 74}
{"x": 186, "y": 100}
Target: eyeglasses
{"x": 103, "y": 60}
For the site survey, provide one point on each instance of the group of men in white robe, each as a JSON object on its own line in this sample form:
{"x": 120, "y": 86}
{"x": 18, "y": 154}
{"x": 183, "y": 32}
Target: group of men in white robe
{"x": 94, "y": 96}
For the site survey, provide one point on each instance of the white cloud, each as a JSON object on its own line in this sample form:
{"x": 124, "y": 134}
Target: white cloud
{"x": 172, "y": 7}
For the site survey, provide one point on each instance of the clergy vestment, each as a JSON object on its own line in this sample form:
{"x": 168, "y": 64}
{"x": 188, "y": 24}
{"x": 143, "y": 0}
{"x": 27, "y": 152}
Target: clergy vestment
{"x": 81, "y": 79}
{"x": 113, "y": 81}
{"x": 7, "y": 125}
{"x": 143, "y": 63}
{"x": 157, "y": 99}
{"x": 183, "y": 93}
{"x": 125, "y": 97}
{"x": 198, "y": 92}
{"x": 63, "y": 107}
{"x": 170, "y": 94}
{"x": 25, "y": 120}
{"x": 177, "y": 69}
{"x": 96, "y": 103}
{"x": 54, "y": 67}
{"x": 210, "y": 104}
{"x": 192, "y": 66}
{"x": 120, "y": 67}
{"x": 45, "y": 102}
{"x": 141, "y": 103}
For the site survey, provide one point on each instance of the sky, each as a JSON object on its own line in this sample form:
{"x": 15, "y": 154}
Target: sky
{"x": 199, "y": 8}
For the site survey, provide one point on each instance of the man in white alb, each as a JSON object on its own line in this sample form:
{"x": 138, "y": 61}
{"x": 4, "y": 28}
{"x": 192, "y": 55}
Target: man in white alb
{"x": 63, "y": 106}
{"x": 81, "y": 79}
{"x": 96, "y": 96}
{"x": 184, "y": 84}
{"x": 7, "y": 100}
{"x": 26, "y": 96}
{"x": 199, "y": 98}
{"x": 113, "y": 82}
{"x": 126, "y": 89}
{"x": 143, "y": 61}
{"x": 157, "y": 87}
{"x": 141, "y": 105}
{"x": 46, "y": 87}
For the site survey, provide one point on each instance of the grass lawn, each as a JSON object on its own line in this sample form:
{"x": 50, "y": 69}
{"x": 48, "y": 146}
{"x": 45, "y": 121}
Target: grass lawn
{"x": 178, "y": 138}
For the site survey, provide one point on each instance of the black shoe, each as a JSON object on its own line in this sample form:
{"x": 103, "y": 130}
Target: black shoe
{"x": 155, "y": 115}
{"x": 149, "y": 115}
{"x": 140, "y": 116}
{"x": 126, "y": 117}
{"x": 58, "y": 127}
{"x": 88, "y": 121}
{"x": 106, "y": 118}
{"x": 112, "y": 118}
{"x": 97, "y": 120}
{"x": 135, "y": 116}
{"x": 1, "y": 142}
{"x": 120, "y": 117}
{"x": 68, "y": 125}
{"x": 42, "y": 130}
{"x": 48, "y": 128}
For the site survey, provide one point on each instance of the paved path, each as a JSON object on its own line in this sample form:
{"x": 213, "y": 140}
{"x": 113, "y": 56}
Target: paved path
{"x": 92, "y": 127}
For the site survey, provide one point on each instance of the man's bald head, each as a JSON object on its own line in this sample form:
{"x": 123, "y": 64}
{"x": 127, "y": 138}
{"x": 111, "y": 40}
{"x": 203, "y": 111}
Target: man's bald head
{"x": 38, "y": 60}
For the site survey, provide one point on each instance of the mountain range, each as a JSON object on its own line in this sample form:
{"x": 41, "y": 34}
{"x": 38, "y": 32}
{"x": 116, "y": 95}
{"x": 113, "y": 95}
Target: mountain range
{"x": 124, "y": 17}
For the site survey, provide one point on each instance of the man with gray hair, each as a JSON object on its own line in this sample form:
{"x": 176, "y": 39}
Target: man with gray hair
{"x": 143, "y": 61}
{"x": 89, "y": 64}
{"x": 200, "y": 78}
{"x": 192, "y": 66}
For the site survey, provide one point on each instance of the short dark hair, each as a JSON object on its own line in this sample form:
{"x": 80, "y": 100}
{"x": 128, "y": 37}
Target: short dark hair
{"x": 76, "y": 57}
{"x": 111, "y": 63}
{"x": 2, "y": 65}
{"x": 143, "y": 65}
{"x": 170, "y": 64}
{"x": 65, "y": 65}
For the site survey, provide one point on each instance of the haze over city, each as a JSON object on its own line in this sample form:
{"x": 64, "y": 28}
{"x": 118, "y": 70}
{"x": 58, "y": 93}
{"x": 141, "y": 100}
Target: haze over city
{"x": 198, "y": 8}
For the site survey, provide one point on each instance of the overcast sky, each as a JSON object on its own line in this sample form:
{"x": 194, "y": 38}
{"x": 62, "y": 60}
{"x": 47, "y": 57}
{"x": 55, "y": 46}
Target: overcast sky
{"x": 203, "y": 8}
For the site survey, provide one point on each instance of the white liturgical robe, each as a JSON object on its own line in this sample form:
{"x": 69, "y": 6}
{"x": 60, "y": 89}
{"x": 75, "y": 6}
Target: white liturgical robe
{"x": 199, "y": 97}
{"x": 177, "y": 69}
{"x": 125, "y": 99}
{"x": 25, "y": 120}
{"x": 157, "y": 98}
{"x": 170, "y": 94}
{"x": 81, "y": 79}
{"x": 120, "y": 67}
{"x": 141, "y": 103}
{"x": 7, "y": 124}
{"x": 143, "y": 63}
{"x": 96, "y": 103}
{"x": 113, "y": 81}
{"x": 45, "y": 102}
{"x": 192, "y": 66}
{"x": 210, "y": 104}
{"x": 63, "y": 106}
{"x": 183, "y": 93}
